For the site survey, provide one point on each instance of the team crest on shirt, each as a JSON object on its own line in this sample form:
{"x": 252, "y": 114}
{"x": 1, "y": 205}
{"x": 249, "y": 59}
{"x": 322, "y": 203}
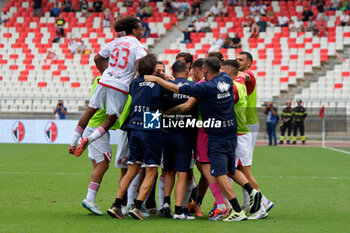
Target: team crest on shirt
{"x": 223, "y": 86}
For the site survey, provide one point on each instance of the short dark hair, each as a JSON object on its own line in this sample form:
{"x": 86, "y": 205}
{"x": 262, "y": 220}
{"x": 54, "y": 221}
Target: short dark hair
{"x": 233, "y": 63}
{"x": 147, "y": 65}
{"x": 213, "y": 64}
{"x": 249, "y": 56}
{"x": 198, "y": 63}
{"x": 126, "y": 24}
{"x": 218, "y": 55}
{"x": 187, "y": 56}
{"x": 179, "y": 67}
{"x": 160, "y": 63}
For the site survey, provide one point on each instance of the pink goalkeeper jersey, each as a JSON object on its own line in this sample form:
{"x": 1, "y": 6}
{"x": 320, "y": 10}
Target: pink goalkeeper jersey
{"x": 122, "y": 53}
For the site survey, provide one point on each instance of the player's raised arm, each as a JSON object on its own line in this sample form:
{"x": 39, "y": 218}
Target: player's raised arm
{"x": 167, "y": 85}
{"x": 101, "y": 63}
{"x": 183, "y": 108}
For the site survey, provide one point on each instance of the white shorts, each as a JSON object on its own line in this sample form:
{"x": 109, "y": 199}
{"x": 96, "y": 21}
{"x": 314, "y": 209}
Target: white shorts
{"x": 122, "y": 157}
{"x": 99, "y": 149}
{"x": 254, "y": 130}
{"x": 243, "y": 150}
{"x": 114, "y": 100}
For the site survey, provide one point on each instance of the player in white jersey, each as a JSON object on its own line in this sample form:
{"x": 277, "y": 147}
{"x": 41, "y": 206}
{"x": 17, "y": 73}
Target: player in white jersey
{"x": 122, "y": 55}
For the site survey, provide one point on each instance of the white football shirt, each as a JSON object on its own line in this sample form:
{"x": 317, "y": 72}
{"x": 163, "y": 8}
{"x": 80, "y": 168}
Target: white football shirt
{"x": 122, "y": 53}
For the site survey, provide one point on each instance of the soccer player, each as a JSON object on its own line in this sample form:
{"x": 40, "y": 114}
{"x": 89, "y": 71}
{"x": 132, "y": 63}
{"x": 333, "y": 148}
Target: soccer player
{"x": 112, "y": 91}
{"x": 217, "y": 104}
{"x": 299, "y": 115}
{"x": 287, "y": 122}
{"x": 100, "y": 153}
{"x": 144, "y": 143}
{"x": 243, "y": 150}
{"x": 245, "y": 60}
{"x": 191, "y": 187}
{"x": 178, "y": 144}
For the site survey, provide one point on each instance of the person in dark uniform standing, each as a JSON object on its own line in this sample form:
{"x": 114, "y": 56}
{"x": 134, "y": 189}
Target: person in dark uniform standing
{"x": 287, "y": 121}
{"x": 299, "y": 115}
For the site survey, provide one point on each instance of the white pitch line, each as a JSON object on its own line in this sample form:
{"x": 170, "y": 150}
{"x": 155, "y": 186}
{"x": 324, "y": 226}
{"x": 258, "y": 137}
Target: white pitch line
{"x": 307, "y": 177}
{"x": 337, "y": 150}
{"x": 42, "y": 173}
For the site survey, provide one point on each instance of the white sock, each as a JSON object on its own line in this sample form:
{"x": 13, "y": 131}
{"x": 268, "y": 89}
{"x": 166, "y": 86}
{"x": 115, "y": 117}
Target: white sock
{"x": 99, "y": 132}
{"x": 221, "y": 206}
{"x": 161, "y": 192}
{"x": 264, "y": 200}
{"x": 92, "y": 191}
{"x": 77, "y": 134}
{"x": 188, "y": 192}
{"x": 132, "y": 190}
{"x": 246, "y": 197}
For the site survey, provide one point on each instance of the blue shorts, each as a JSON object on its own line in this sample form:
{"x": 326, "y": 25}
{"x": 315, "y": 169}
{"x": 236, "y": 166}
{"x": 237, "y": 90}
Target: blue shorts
{"x": 145, "y": 147}
{"x": 221, "y": 153}
{"x": 177, "y": 151}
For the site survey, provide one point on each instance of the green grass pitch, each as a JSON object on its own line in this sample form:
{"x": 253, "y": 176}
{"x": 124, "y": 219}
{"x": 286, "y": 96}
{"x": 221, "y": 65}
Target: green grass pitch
{"x": 42, "y": 187}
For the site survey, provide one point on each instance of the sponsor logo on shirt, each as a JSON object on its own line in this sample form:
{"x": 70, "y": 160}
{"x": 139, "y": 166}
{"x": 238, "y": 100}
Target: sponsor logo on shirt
{"x": 151, "y": 120}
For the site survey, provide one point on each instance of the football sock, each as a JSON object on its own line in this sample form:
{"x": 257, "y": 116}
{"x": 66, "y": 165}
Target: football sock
{"x": 99, "y": 132}
{"x": 118, "y": 203}
{"x": 125, "y": 200}
{"x": 235, "y": 205}
{"x": 188, "y": 192}
{"x": 217, "y": 193}
{"x": 133, "y": 189}
{"x": 138, "y": 204}
{"x": 199, "y": 200}
{"x": 77, "y": 134}
{"x": 161, "y": 192}
{"x": 178, "y": 210}
{"x": 167, "y": 200}
{"x": 248, "y": 187}
{"x": 92, "y": 191}
{"x": 245, "y": 197}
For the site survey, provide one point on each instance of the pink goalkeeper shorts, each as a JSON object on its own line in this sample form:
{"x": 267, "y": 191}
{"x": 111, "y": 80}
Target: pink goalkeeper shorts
{"x": 202, "y": 147}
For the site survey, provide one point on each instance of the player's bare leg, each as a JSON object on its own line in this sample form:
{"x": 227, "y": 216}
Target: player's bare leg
{"x": 96, "y": 176}
{"x": 219, "y": 210}
{"x": 115, "y": 210}
{"x": 169, "y": 181}
{"x": 84, "y": 120}
{"x": 145, "y": 189}
{"x": 99, "y": 132}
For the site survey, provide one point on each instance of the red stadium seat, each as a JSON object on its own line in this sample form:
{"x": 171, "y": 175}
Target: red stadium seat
{"x": 284, "y": 80}
{"x": 345, "y": 74}
{"x": 42, "y": 84}
{"x": 75, "y": 85}
{"x": 338, "y": 86}
{"x": 64, "y": 79}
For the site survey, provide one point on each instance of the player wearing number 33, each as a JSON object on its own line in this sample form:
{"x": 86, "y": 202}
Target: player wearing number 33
{"x": 122, "y": 55}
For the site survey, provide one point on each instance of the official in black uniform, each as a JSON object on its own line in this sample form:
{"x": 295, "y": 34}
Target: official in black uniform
{"x": 287, "y": 121}
{"x": 299, "y": 115}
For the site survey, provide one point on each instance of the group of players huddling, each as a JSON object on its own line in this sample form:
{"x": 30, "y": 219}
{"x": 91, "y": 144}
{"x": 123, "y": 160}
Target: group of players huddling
{"x": 211, "y": 89}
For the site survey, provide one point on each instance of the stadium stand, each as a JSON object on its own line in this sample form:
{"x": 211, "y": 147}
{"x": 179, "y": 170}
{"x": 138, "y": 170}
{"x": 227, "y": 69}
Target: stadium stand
{"x": 283, "y": 59}
{"x": 30, "y": 82}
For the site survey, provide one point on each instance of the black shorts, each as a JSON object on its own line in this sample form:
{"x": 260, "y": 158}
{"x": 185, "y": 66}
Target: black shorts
{"x": 145, "y": 147}
{"x": 221, "y": 153}
{"x": 177, "y": 151}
